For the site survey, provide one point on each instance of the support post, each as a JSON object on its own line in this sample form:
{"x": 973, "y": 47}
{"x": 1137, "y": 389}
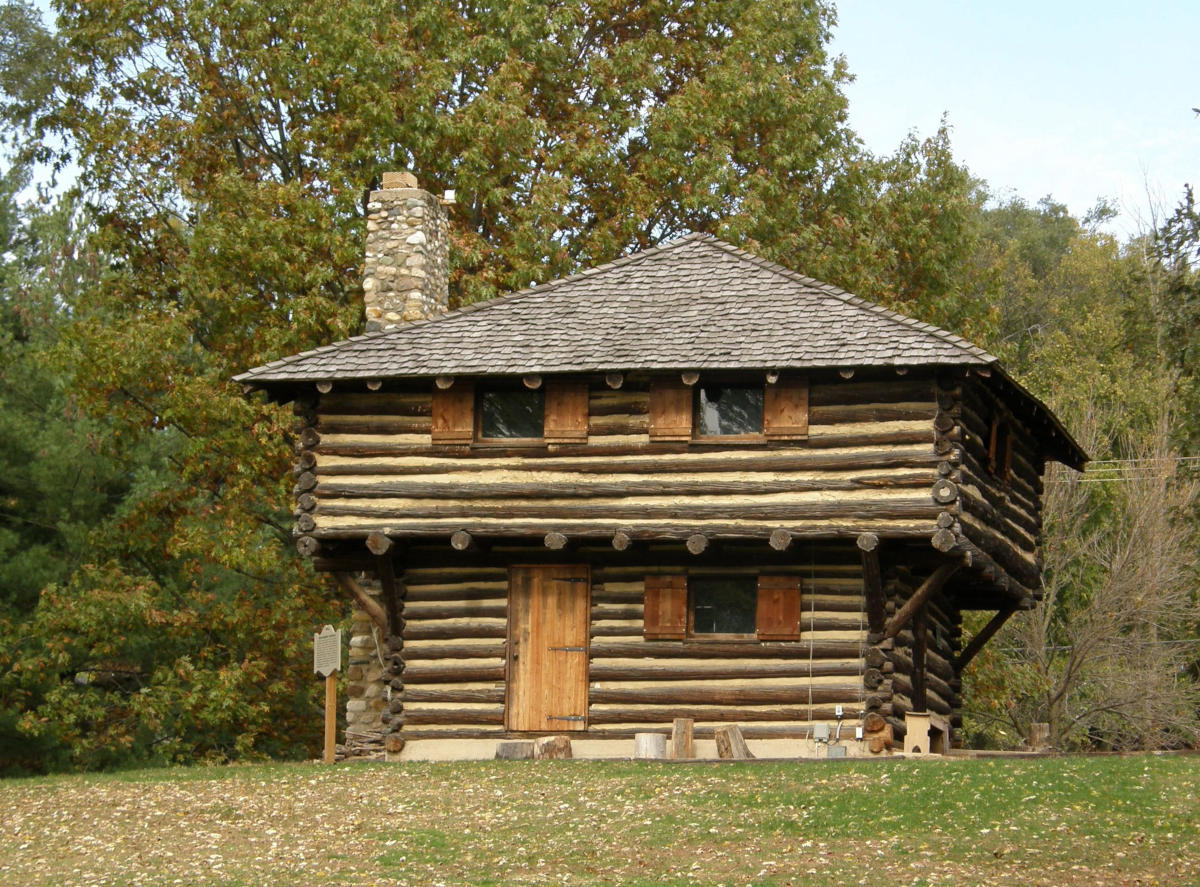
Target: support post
{"x": 868, "y": 545}
{"x": 920, "y": 647}
{"x": 330, "y": 717}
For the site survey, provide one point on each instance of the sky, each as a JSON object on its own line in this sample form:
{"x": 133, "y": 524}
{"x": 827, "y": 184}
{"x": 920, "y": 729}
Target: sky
{"x": 1077, "y": 100}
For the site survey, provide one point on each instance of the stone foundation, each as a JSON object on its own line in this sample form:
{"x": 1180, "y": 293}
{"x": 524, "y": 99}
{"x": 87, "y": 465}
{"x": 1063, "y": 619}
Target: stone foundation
{"x": 366, "y": 689}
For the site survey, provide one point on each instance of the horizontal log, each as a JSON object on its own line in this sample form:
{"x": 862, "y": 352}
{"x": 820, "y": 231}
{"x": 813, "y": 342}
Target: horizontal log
{"x": 420, "y": 673}
{"x": 627, "y": 488}
{"x": 452, "y": 716}
{"x": 912, "y": 390}
{"x": 817, "y": 649}
{"x": 378, "y": 447}
{"x": 419, "y": 613}
{"x": 333, "y": 424}
{"x": 390, "y": 403}
{"x": 665, "y": 714}
{"x": 423, "y": 594}
{"x": 933, "y": 700}
{"x": 781, "y": 509}
{"x": 419, "y": 694}
{"x": 436, "y": 631}
{"x": 417, "y": 652}
{"x": 675, "y": 671}
{"x": 640, "y": 461}
{"x": 850, "y": 525}
{"x": 671, "y": 694}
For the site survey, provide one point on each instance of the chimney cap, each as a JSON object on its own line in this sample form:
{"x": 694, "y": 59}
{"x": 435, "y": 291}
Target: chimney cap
{"x": 394, "y": 180}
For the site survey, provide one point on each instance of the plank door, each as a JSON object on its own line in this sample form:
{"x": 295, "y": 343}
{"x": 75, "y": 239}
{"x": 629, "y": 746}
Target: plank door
{"x": 547, "y": 686}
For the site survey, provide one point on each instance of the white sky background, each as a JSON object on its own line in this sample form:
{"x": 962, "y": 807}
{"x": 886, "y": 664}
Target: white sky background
{"x": 1077, "y": 100}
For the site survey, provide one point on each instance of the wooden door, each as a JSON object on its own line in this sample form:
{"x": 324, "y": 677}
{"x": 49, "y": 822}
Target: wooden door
{"x": 547, "y": 687}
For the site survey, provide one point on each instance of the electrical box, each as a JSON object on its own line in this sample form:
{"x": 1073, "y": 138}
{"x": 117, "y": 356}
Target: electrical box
{"x": 835, "y": 751}
{"x": 821, "y": 732}
{"x": 839, "y": 711}
{"x": 858, "y": 732}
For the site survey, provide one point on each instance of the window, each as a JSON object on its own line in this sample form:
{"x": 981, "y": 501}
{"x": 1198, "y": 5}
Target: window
{"x": 553, "y": 413}
{"x": 733, "y": 411}
{"x": 723, "y": 604}
{"x": 511, "y": 414}
{"x": 728, "y": 410}
{"x": 677, "y": 607}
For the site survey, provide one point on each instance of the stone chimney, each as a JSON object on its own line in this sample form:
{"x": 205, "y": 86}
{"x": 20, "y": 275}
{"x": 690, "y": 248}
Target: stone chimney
{"x": 407, "y": 258}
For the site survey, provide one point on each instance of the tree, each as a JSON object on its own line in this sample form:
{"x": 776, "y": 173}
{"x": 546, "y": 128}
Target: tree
{"x": 225, "y": 151}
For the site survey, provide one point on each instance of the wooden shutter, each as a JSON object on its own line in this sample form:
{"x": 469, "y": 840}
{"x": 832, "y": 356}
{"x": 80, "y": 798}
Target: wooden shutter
{"x": 665, "y": 614}
{"x": 778, "y": 617}
{"x": 670, "y": 410}
{"x": 454, "y": 414}
{"x": 566, "y": 411}
{"x": 785, "y": 409}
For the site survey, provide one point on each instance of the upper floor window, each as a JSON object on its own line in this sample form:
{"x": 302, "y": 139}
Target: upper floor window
{"x": 555, "y": 412}
{"x": 729, "y": 410}
{"x": 511, "y": 414}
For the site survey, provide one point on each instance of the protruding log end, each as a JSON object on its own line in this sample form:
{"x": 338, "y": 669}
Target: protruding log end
{"x": 533, "y": 381}
{"x": 555, "y": 541}
{"x": 697, "y": 543}
{"x": 614, "y": 380}
{"x": 374, "y": 384}
{"x": 944, "y": 491}
{"x": 307, "y": 546}
{"x": 310, "y": 438}
{"x": 379, "y": 543}
{"x": 305, "y": 523}
{"x": 461, "y": 540}
{"x": 307, "y": 481}
{"x": 943, "y": 540}
{"x": 621, "y": 540}
{"x": 945, "y": 520}
{"x": 690, "y": 377}
{"x": 444, "y": 382}
{"x": 867, "y": 541}
{"x": 780, "y": 539}
{"x": 305, "y": 462}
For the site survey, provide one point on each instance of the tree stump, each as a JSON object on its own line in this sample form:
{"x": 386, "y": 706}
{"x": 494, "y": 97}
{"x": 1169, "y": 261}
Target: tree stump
{"x": 552, "y": 748}
{"x": 730, "y": 743}
{"x": 682, "y": 746}
{"x": 649, "y": 746}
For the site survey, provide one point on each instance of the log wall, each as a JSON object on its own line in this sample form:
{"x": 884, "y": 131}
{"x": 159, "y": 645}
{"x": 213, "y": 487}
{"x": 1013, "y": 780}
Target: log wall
{"x": 997, "y": 486}
{"x": 454, "y": 650}
{"x": 366, "y": 463}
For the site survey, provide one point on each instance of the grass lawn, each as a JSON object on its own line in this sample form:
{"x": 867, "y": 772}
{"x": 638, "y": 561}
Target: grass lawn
{"x": 1050, "y": 821}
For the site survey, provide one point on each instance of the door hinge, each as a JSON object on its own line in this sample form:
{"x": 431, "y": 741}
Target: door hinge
{"x": 566, "y": 718}
{"x": 570, "y": 649}
{"x": 583, "y": 579}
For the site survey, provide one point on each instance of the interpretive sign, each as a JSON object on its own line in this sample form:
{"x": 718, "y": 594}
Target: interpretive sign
{"x": 327, "y": 651}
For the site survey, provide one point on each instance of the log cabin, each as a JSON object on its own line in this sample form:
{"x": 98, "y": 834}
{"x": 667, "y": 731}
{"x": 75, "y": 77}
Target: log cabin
{"x": 687, "y": 484}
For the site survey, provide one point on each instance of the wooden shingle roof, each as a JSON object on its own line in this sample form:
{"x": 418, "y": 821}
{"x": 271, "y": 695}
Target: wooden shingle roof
{"x": 694, "y": 303}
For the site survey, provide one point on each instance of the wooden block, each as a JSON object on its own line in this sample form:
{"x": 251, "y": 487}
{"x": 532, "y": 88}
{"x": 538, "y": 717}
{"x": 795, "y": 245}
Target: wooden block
{"x": 682, "y": 731}
{"x": 649, "y": 746}
{"x": 515, "y": 750}
{"x": 731, "y": 744}
{"x": 552, "y": 748}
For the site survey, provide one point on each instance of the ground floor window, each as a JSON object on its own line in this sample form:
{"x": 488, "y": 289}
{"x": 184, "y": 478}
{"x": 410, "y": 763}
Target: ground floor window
{"x": 740, "y": 606}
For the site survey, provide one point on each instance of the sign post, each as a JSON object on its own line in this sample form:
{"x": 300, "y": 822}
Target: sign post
{"x": 327, "y": 659}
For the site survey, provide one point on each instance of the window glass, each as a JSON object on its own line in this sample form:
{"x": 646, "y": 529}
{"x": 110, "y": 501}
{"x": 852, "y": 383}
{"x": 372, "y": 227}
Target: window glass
{"x": 723, "y": 604}
{"x": 511, "y": 413}
{"x": 729, "y": 409}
